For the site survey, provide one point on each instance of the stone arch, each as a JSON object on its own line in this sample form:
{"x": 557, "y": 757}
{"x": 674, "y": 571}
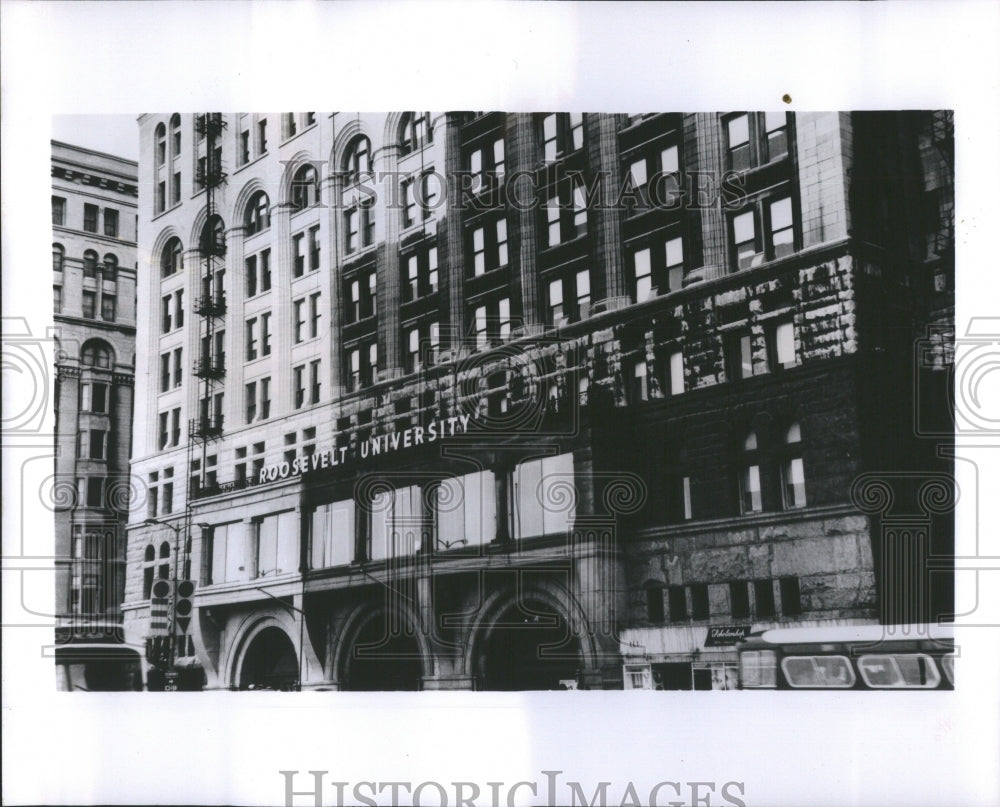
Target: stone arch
{"x": 248, "y": 630}
{"x": 393, "y": 127}
{"x": 162, "y": 238}
{"x": 546, "y": 593}
{"x": 345, "y": 138}
{"x": 297, "y": 160}
{"x": 361, "y": 617}
{"x": 237, "y": 212}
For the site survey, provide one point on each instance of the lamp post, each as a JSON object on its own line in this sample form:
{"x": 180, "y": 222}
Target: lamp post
{"x": 172, "y": 621}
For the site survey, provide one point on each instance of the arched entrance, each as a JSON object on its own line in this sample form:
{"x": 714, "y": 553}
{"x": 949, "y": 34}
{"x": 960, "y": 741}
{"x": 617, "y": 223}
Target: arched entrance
{"x": 529, "y": 647}
{"x": 382, "y": 660}
{"x": 270, "y": 662}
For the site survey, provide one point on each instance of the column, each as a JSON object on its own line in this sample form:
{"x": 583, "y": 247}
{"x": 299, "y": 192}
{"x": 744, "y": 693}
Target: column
{"x": 387, "y": 267}
{"x": 605, "y": 221}
{"x": 708, "y": 139}
{"x": 281, "y": 288}
{"x": 451, "y": 251}
{"x": 523, "y": 154}
{"x": 333, "y": 192}
{"x": 235, "y": 295}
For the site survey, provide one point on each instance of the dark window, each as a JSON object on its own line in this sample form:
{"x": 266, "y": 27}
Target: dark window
{"x": 305, "y": 187}
{"x": 420, "y": 272}
{"x": 172, "y": 260}
{"x": 89, "y": 304}
{"x": 763, "y": 594}
{"x": 90, "y": 263}
{"x": 793, "y": 479}
{"x": 654, "y": 604}
{"x": 739, "y": 598}
{"x": 58, "y": 211}
{"x": 415, "y": 131}
{"x": 357, "y": 160}
{"x": 750, "y": 487}
{"x": 677, "y": 600}
{"x": 107, "y": 307}
{"x": 738, "y": 357}
{"x": 791, "y": 604}
{"x": 258, "y": 214}
{"x": 58, "y": 256}
{"x": 699, "y": 601}
{"x": 314, "y": 382}
{"x": 90, "y": 213}
{"x": 299, "y": 244}
{"x": 299, "y": 387}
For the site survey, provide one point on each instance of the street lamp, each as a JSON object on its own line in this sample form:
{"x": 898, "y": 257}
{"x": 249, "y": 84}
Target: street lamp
{"x": 171, "y": 623}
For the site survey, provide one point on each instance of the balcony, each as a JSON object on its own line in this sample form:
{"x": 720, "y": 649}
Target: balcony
{"x": 212, "y": 304}
{"x": 213, "y": 367}
{"x": 206, "y": 426}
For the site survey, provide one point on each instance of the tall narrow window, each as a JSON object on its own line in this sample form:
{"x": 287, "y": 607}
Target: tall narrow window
{"x": 793, "y": 480}
{"x": 314, "y": 315}
{"x": 750, "y": 495}
{"x": 58, "y": 211}
{"x": 744, "y": 239}
{"x": 782, "y": 229}
{"x": 58, "y": 256}
{"x": 90, "y": 213}
{"x": 110, "y": 222}
{"x": 314, "y": 382}
{"x": 556, "y": 316}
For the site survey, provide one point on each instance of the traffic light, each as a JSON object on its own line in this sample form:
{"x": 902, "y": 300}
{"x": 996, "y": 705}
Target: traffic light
{"x": 159, "y": 605}
{"x": 184, "y": 606}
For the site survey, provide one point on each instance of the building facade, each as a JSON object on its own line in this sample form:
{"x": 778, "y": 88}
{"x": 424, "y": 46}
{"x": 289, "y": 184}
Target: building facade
{"x": 530, "y": 401}
{"x": 94, "y": 221}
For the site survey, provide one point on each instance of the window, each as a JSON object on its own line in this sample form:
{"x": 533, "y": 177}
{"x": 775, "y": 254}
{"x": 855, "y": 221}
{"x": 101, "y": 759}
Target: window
{"x": 94, "y": 397}
{"x": 361, "y": 296}
{"x": 738, "y": 355}
{"x": 258, "y": 214}
{"x": 299, "y": 243}
{"x": 314, "y": 248}
{"x": 177, "y": 367}
{"x": 420, "y": 197}
{"x": 486, "y": 165}
{"x": 90, "y": 213}
{"x": 556, "y": 316}
{"x": 561, "y": 134}
{"x": 164, "y": 372}
{"x": 251, "y": 401}
{"x": 314, "y": 315}
{"x": 251, "y": 275}
{"x": 739, "y": 600}
{"x": 677, "y": 600}
{"x": 110, "y": 268}
{"x": 95, "y": 491}
{"x": 175, "y": 188}
{"x": 488, "y": 247}
{"x": 149, "y": 562}
{"x": 89, "y": 304}
{"x": 332, "y": 534}
{"x": 299, "y": 390}
{"x": 782, "y": 345}
{"x": 98, "y": 444}
{"x": 357, "y": 160}
{"x": 265, "y": 398}
{"x": 654, "y": 604}
{"x": 793, "y": 480}
{"x": 265, "y": 328}
{"x": 96, "y": 354}
{"x": 415, "y": 131}
{"x": 575, "y": 287}
{"x": 305, "y": 187}
{"x": 420, "y": 269}
{"x": 465, "y": 510}
{"x": 362, "y": 365}
{"x": 244, "y": 147}
{"x": 172, "y": 260}
{"x": 771, "y": 215}
{"x": 288, "y": 127}
{"x": 565, "y": 212}
{"x": 422, "y": 346}
{"x": 541, "y": 497}
{"x": 262, "y": 136}
{"x": 58, "y": 257}
{"x": 179, "y": 307}
{"x": 314, "y": 382}
{"x": 699, "y": 601}
{"x": 175, "y": 427}
{"x": 298, "y": 321}
{"x": 763, "y": 595}
{"x": 58, "y": 211}
{"x": 251, "y": 339}
{"x": 658, "y": 268}
{"x": 676, "y": 364}
{"x": 57, "y": 298}
{"x": 756, "y": 138}
{"x": 108, "y": 307}
{"x": 359, "y": 230}
{"x": 166, "y": 319}
{"x": 750, "y": 496}
{"x": 90, "y": 263}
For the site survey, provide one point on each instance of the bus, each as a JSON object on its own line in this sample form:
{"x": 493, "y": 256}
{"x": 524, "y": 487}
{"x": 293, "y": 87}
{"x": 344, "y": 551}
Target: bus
{"x": 99, "y": 667}
{"x": 888, "y": 657}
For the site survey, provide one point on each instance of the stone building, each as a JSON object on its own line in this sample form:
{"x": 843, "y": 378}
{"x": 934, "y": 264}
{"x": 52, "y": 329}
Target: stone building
{"x": 94, "y": 206}
{"x": 530, "y": 401}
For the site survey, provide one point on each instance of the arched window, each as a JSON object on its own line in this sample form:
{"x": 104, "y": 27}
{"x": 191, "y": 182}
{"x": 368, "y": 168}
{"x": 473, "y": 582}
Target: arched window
{"x": 90, "y": 263}
{"x": 164, "y": 571}
{"x": 305, "y": 187}
{"x": 172, "y": 259}
{"x": 793, "y": 478}
{"x": 58, "y": 256}
{"x": 750, "y": 496}
{"x": 358, "y": 159}
{"x": 415, "y": 131}
{"x": 110, "y": 267}
{"x": 258, "y": 213}
{"x": 175, "y": 134}
{"x": 96, "y": 353}
{"x": 213, "y": 237}
{"x": 149, "y": 561}
{"x": 161, "y": 144}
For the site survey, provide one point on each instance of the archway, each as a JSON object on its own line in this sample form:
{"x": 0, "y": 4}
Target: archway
{"x": 382, "y": 660}
{"x": 270, "y": 662}
{"x": 529, "y": 647}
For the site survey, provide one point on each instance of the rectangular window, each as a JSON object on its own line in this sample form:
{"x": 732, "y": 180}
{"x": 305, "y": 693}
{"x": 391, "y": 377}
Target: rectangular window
{"x": 98, "y": 444}
{"x": 299, "y": 243}
{"x": 299, "y": 386}
{"x": 579, "y": 209}
{"x": 314, "y": 248}
{"x": 265, "y": 270}
{"x": 699, "y": 601}
{"x": 640, "y": 389}
{"x": 89, "y": 304}
{"x": 251, "y": 401}
{"x": 782, "y": 230}
{"x": 244, "y": 147}
{"x": 108, "y": 307}
{"x": 738, "y": 356}
{"x": 465, "y": 510}
{"x": 175, "y": 188}
{"x": 738, "y": 130}
{"x": 354, "y": 301}
{"x": 262, "y": 136}
{"x": 782, "y": 347}
{"x": 314, "y": 315}
{"x": 164, "y": 431}
{"x": 94, "y": 397}
{"x": 642, "y": 270}
{"x": 478, "y": 251}
{"x": 674, "y": 249}
{"x": 409, "y": 203}
{"x": 739, "y": 599}
{"x": 95, "y": 491}
{"x": 791, "y": 603}
{"x": 553, "y": 219}
{"x": 90, "y": 213}
{"x": 332, "y": 534}
{"x": 763, "y": 596}
{"x": 776, "y": 134}
{"x": 676, "y": 372}
{"x": 744, "y": 239}
{"x": 793, "y": 481}
{"x": 175, "y": 427}
{"x": 265, "y": 398}
{"x": 354, "y": 368}
{"x": 265, "y": 331}
{"x": 503, "y": 317}
{"x": 677, "y": 600}
{"x": 251, "y": 339}
{"x": 165, "y": 315}
{"x": 550, "y": 146}
{"x": 57, "y": 298}
{"x": 314, "y": 383}
{"x": 110, "y": 222}
{"x": 583, "y": 294}
{"x": 556, "y": 316}
{"x": 654, "y": 605}
{"x": 251, "y": 275}
{"x": 686, "y": 494}
{"x": 481, "y": 333}
{"x": 297, "y": 321}
{"x": 750, "y": 497}
{"x": 58, "y": 211}
{"x": 164, "y": 372}
{"x": 352, "y": 219}
{"x": 161, "y": 196}
{"x": 179, "y": 307}
{"x": 538, "y": 509}
{"x": 499, "y": 160}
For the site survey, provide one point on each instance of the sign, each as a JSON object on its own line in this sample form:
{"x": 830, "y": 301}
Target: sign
{"x": 726, "y": 635}
{"x": 372, "y": 447}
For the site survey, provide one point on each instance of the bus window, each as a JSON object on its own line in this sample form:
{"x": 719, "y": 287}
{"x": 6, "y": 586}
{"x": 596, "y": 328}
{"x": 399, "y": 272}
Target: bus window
{"x": 825, "y": 672}
{"x": 948, "y": 665}
{"x": 757, "y": 668}
{"x": 910, "y": 671}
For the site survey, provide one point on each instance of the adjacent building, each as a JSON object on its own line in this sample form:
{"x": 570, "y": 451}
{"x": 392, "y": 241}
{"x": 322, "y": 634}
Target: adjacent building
{"x": 480, "y": 400}
{"x": 94, "y": 219}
